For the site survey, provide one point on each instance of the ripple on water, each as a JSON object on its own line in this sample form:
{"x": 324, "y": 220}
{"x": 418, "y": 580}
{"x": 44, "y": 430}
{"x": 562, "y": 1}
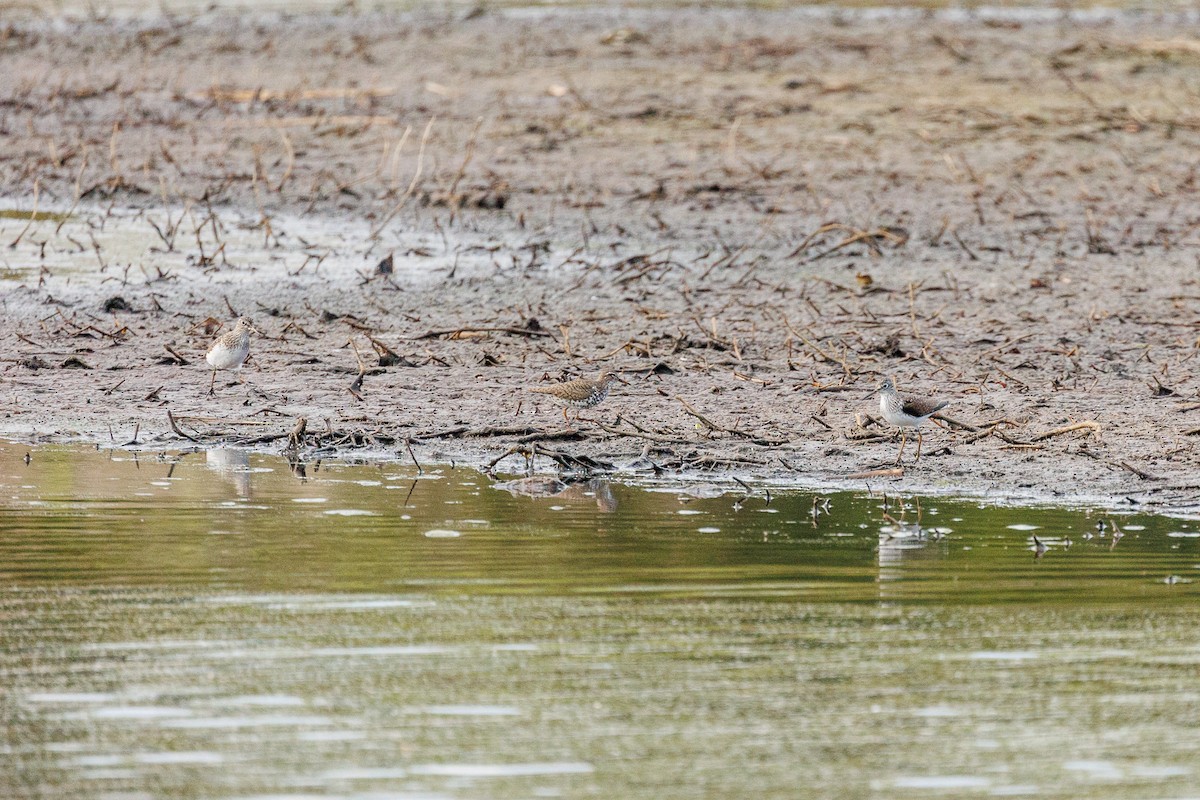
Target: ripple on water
{"x": 317, "y": 602}
{"x": 1095, "y": 770}
{"x": 255, "y": 700}
{"x": 469, "y": 711}
{"x": 363, "y": 773}
{"x": 363, "y": 605}
{"x": 247, "y": 721}
{"x": 503, "y": 770}
{"x": 331, "y": 736}
{"x": 939, "y": 712}
{"x": 251, "y": 653}
{"x": 110, "y": 774}
{"x": 180, "y": 757}
{"x": 95, "y": 760}
{"x": 1159, "y": 771}
{"x": 442, "y": 533}
{"x": 1015, "y": 790}
{"x": 941, "y": 782}
{"x": 156, "y": 644}
{"x": 136, "y": 712}
{"x": 1003, "y": 655}
{"x": 70, "y": 698}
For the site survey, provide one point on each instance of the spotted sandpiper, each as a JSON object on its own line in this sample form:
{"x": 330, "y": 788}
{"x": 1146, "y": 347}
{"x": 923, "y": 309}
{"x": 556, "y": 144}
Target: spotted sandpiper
{"x": 229, "y": 351}
{"x": 905, "y": 411}
{"x": 580, "y": 393}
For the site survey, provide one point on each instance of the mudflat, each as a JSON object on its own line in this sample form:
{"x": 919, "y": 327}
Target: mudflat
{"x": 753, "y": 215}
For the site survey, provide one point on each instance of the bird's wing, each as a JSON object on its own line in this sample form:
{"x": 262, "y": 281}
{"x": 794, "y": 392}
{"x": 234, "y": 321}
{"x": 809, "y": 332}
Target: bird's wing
{"x": 570, "y": 389}
{"x": 922, "y": 406}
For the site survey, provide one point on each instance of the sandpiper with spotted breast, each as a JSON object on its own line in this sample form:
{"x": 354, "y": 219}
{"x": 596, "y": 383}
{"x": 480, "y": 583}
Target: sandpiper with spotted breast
{"x": 580, "y": 393}
{"x": 230, "y": 350}
{"x": 906, "y": 411}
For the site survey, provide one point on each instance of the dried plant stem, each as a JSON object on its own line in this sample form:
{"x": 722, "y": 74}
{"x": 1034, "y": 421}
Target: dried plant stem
{"x": 32, "y": 216}
{"x": 412, "y": 185}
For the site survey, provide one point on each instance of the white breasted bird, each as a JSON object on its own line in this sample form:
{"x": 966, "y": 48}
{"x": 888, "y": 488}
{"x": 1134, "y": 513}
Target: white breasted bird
{"x": 230, "y": 350}
{"x": 905, "y": 411}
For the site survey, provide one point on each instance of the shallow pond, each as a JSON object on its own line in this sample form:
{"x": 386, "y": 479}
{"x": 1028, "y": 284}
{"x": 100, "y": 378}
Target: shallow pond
{"x": 215, "y": 625}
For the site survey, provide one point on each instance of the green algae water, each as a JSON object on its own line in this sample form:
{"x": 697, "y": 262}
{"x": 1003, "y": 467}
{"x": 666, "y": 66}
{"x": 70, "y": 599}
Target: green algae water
{"x": 219, "y": 625}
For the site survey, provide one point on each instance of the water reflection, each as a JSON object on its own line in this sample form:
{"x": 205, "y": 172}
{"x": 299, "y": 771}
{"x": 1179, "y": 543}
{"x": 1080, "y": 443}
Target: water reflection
{"x": 361, "y": 526}
{"x": 298, "y": 468}
{"x": 233, "y": 464}
{"x": 594, "y": 490}
{"x": 322, "y": 641}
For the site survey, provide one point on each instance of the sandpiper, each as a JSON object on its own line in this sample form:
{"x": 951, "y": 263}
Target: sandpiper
{"x": 229, "y": 351}
{"x": 581, "y": 392}
{"x": 906, "y": 411}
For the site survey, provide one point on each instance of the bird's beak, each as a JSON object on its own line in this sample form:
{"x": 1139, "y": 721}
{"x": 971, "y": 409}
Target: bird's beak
{"x": 869, "y": 395}
{"x": 622, "y": 380}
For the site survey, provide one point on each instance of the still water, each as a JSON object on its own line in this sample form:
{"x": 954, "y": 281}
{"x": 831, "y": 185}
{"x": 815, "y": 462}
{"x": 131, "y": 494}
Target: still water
{"x": 212, "y": 625}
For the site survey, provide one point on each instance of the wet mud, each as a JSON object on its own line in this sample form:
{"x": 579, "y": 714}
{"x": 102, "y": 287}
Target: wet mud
{"x": 753, "y": 215}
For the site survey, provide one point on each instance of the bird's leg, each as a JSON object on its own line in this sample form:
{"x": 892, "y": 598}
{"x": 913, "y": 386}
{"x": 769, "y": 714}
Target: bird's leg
{"x": 903, "y": 441}
{"x": 565, "y": 414}
{"x": 918, "y": 444}
{"x": 212, "y": 383}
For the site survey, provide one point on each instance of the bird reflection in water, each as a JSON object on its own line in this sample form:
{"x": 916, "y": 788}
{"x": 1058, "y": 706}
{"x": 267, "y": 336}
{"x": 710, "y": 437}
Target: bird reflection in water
{"x": 904, "y": 541}
{"x": 594, "y": 489}
{"x": 232, "y": 463}
{"x": 298, "y": 468}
